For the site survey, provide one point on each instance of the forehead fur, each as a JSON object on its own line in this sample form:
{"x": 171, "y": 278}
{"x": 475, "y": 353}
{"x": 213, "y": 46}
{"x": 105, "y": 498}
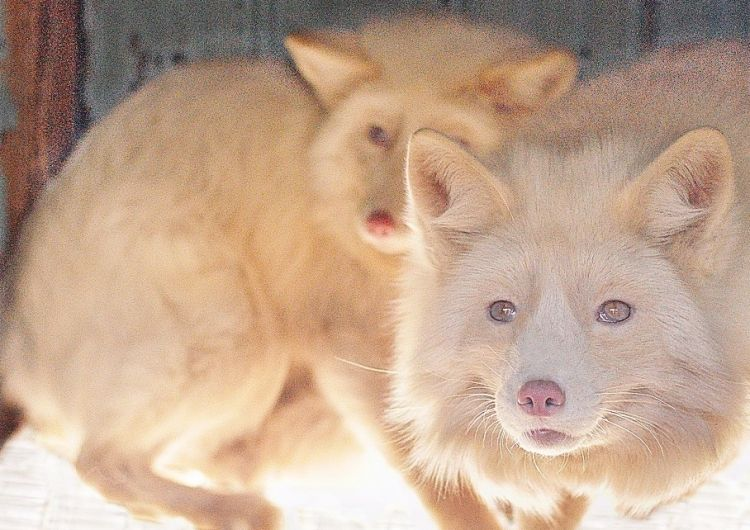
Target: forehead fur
{"x": 568, "y": 189}
{"x": 444, "y": 51}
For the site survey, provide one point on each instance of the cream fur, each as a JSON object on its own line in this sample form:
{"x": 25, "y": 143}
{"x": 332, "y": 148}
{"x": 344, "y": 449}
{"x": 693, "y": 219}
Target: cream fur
{"x": 189, "y": 289}
{"x": 635, "y": 187}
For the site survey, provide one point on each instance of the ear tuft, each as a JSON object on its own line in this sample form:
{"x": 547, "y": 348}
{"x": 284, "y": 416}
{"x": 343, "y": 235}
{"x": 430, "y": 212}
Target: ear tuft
{"x": 332, "y": 63}
{"x": 429, "y": 160}
{"x": 703, "y": 166}
{"x": 532, "y": 83}
{"x": 449, "y": 190}
{"x": 683, "y": 199}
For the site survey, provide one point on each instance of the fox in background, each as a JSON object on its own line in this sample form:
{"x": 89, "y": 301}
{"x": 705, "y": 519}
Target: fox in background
{"x": 183, "y": 294}
{"x": 573, "y": 314}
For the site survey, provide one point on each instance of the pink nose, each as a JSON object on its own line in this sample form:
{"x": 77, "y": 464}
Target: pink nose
{"x": 380, "y": 223}
{"x": 541, "y": 398}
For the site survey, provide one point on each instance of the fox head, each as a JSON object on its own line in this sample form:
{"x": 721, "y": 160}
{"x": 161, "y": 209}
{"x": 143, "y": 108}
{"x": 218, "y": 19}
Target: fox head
{"x": 562, "y": 302}
{"x": 387, "y": 80}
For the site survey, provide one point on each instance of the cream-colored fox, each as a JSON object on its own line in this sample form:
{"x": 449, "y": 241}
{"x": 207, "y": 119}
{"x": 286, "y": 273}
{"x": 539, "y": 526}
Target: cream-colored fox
{"x": 193, "y": 283}
{"x": 573, "y": 315}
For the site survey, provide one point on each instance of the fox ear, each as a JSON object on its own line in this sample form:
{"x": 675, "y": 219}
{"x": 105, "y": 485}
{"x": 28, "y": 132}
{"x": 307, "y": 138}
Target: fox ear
{"x": 451, "y": 195}
{"x": 683, "y": 199}
{"x": 333, "y": 64}
{"x": 529, "y": 84}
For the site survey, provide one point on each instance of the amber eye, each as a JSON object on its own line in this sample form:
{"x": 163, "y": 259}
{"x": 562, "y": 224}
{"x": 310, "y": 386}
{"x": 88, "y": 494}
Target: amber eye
{"x": 379, "y": 136}
{"x": 502, "y": 311}
{"x": 613, "y": 311}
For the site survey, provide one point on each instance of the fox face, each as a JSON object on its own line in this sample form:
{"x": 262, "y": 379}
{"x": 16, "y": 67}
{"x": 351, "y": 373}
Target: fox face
{"x": 373, "y": 101}
{"x": 568, "y": 344}
{"x": 360, "y": 151}
{"x": 558, "y": 305}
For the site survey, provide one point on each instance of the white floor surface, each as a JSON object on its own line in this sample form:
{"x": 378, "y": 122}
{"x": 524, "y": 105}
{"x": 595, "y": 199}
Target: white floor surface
{"x": 38, "y": 491}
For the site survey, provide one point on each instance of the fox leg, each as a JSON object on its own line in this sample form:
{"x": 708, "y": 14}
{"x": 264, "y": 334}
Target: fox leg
{"x": 302, "y": 432}
{"x": 188, "y": 363}
{"x": 570, "y": 512}
{"x": 125, "y": 459}
{"x": 128, "y": 479}
{"x": 454, "y": 508}
{"x": 361, "y": 396}
{"x": 307, "y": 431}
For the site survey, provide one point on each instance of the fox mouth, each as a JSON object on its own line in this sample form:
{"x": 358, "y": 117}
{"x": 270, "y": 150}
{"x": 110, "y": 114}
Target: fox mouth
{"x": 384, "y": 232}
{"x": 547, "y": 437}
{"x": 380, "y": 223}
{"x": 548, "y": 442}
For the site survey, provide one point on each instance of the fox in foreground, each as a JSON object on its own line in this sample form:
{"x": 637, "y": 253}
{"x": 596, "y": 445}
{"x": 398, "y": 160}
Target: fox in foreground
{"x": 185, "y": 292}
{"x": 573, "y": 311}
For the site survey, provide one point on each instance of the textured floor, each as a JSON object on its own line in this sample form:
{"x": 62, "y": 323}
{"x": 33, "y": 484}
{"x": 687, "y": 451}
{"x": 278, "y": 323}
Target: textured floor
{"x": 38, "y": 491}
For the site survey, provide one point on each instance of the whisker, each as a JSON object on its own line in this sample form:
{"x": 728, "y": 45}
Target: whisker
{"x": 482, "y": 419}
{"x": 479, "y": 407}
{"x": 365, "y": 367}
{"x": 470, "y": 395}
{"x": 536, "y": 465}
{"x": 646, "y": 394}
{"x": 481, "y": 416}
{"x": 629, "y": 432}
{"x": 640, "y": 422}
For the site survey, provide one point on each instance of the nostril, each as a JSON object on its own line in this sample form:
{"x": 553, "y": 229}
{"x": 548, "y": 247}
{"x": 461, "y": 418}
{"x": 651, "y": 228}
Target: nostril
{"x": 540, "y": 398}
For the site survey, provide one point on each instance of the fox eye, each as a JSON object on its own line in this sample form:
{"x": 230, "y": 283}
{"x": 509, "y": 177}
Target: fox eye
{"x": 613, "y": 311}
{"x": 379, "y": 136}
{"x": 502, "y": 311}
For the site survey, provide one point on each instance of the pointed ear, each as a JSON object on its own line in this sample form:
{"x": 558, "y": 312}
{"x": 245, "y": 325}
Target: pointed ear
{"x": 529, "y": 84}
{"x": 451, "y": 195}
{"x": 683, "y": 199}
{"x": 333, "y": 64}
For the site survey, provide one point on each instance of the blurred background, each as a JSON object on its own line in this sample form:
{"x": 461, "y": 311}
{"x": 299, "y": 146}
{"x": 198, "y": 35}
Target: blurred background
{"x": 65, "y": 63}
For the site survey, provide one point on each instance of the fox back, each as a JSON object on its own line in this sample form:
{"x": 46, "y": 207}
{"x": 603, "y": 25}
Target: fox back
{"x": 231, "y": 224}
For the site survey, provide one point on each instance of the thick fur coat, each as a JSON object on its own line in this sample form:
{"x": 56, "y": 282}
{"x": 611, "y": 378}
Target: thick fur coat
{"x": 573, "y": 316}
{"x": 204, "y": 281}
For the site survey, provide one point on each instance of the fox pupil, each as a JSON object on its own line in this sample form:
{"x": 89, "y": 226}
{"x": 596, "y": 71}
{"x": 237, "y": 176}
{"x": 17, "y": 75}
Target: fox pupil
{"x": 614, "y": 311}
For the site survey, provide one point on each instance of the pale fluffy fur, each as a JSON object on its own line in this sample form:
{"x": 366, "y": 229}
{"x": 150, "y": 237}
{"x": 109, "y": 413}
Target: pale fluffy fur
{"x": 187, "y": 292}
{"x": 582, "y": 210}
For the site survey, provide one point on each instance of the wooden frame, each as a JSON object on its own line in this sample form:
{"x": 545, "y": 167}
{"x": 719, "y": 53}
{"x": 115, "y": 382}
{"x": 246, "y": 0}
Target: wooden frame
{"x": 43, "y": 71}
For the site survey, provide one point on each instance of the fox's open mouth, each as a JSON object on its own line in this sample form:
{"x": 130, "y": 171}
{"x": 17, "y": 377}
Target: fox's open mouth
{"x": 547, "y": 437}
{"x": 547, "y": 442}
{"x": 384, "y": 232}
{"x": 380, "y": 223}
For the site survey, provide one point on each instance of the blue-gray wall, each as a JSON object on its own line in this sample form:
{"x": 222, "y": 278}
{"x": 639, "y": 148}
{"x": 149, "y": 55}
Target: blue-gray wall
{"x": 129, "y": 41}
